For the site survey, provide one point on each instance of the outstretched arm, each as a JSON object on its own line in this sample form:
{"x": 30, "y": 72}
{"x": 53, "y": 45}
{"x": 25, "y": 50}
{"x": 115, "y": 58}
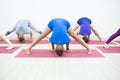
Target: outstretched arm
{"x": 53, "y": 46}
{"x": 72, "y": 34}
{"x": 44, "y": 34}
{"x": 8, "y": 42}
{"x": 30, "y": 25}
{"x": 10, "y": 31}
{"x": 31, "y": 35}
{"x": 6, "y": 39}
{"x": 96, "y": 33}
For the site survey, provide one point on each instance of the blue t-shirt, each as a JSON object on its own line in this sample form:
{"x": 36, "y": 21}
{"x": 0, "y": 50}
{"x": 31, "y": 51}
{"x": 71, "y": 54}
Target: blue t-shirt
{"x": 59, "y": 29}
{"x": 81, "y": 20}
{"x": 84, "y": 23}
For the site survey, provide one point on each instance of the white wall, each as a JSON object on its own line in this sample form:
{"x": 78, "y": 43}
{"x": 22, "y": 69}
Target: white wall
{"x": 105, "y": 14}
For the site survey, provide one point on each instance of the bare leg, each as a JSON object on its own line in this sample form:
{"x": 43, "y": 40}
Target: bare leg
{"x": 6, "y": 39}
{"x": 71, "y": 33}
{"x": 43, "y": 35}
{"x": 8, "y": 42}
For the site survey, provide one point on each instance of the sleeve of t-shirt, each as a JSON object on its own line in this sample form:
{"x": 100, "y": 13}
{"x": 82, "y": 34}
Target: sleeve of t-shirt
{"x": 90, "y": 22}
{"x": 12, "y": 29}
{"x": 67, "y": 24}
{"x": 79, "y": 22}
{"x": 50, "y": 24}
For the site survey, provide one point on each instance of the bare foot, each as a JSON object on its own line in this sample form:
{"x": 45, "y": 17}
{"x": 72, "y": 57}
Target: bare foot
{"x": 10, "y": 47}
{"x": 28, "y": 52}
{"x": 89, "y": 52}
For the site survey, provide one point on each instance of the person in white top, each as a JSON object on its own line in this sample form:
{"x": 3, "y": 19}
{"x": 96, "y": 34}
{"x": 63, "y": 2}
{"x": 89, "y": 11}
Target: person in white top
{"x": 21, "y": 28}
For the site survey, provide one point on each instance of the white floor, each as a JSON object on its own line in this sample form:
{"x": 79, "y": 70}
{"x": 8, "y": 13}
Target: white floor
{"x": 12, "y": 68}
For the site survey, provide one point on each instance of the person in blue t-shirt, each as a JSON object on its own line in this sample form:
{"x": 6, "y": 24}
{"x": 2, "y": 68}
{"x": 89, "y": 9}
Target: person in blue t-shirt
{"x": 85, "y": 28}
{"x": 60, "y": 29}
{"x": 21, "y": 28}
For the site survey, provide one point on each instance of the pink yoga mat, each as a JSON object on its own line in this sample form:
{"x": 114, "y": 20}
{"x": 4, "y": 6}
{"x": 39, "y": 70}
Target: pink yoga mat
{"x": 46, "y": 53}
{"x": 4, "y": 51}
{"x": 118, "y": 42}
{"x": 25, "y": 42}
{"x": 110, "y": 50}
{"x": 90, "y": 42}
{"x": 47, "y": 42}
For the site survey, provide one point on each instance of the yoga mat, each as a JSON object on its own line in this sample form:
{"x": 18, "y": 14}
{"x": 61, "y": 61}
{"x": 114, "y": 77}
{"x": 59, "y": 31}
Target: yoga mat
{"x": 118, "y": 42}
{"x": 110, "y": 49}
{"x": 90, "y": 42}
{"x": 47, "y": 42}
{"x": 25, "y": 42}
{"x": 4, "y": 51}
{"x": 46, "y": 53}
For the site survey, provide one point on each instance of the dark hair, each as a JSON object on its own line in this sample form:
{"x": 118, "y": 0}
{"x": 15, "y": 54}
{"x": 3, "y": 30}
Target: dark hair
{"x": 85, "y": 39}
{"x": 21, "y": 40}
{"x": 59, "y": 52}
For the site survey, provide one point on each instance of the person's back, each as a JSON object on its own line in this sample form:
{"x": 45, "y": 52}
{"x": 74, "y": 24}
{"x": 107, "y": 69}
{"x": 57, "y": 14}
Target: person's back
{"x": 85, "y": 29}
{"x": 82, "y": 19}
{"x": 84, "y": 24}
{"x": 22, "y": 26}
{"x": 59, "y": 28}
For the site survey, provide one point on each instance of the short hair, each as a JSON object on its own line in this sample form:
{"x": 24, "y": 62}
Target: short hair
{"x": 59, "y": 52}
{"x": 85, "y": 39}
{"x": 21, "y": 40}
